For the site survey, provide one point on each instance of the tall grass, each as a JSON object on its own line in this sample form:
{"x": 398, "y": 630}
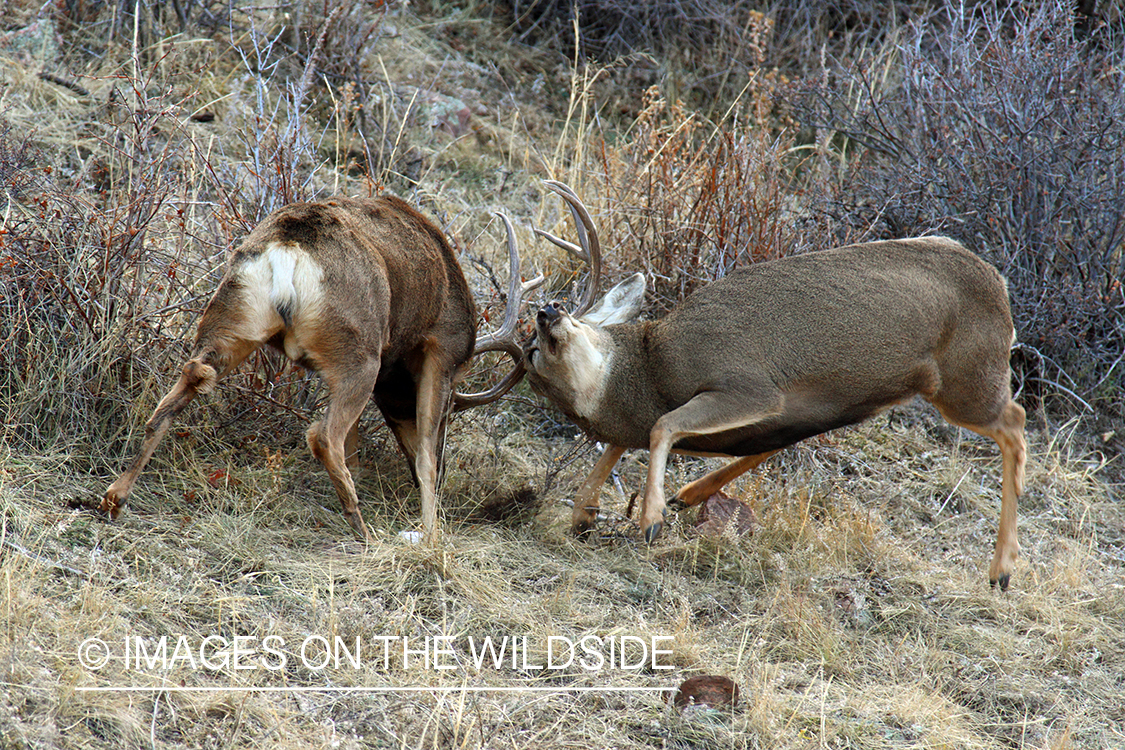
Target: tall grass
{"x": 856, "y": 615}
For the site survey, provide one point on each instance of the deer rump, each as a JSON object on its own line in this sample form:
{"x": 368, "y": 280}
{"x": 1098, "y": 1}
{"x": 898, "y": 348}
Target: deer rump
{"x": 386, "y": 285}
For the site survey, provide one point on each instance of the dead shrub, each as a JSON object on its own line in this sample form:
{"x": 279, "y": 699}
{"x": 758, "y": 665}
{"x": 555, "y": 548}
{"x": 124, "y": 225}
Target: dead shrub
{"x": 690, "y": 201}
{"x": 1006, "y": 131}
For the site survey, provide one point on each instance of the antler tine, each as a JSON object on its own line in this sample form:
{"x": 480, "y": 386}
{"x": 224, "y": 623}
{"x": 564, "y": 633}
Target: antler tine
{"x": 590, "y": 251}
{"x": 504, "y": 338}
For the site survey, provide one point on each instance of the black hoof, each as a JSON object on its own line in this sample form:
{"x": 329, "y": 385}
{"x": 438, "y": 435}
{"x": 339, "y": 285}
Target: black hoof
{"x": 1002, "y": 582}
{"x": 583, "y": 529}
{"x": 106, "y": 508}
{"x": 652, "y": 533}
{"x": 676, "y": 505}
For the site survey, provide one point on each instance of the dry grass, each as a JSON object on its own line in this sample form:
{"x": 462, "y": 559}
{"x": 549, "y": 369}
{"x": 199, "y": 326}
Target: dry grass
{"x": 857, "y": 615}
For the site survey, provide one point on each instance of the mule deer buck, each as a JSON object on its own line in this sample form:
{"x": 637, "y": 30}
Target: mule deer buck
{"x": 777, "y": 352}
{"x": 369, "y": 294}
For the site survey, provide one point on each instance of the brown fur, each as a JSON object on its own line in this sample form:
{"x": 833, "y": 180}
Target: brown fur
{"x": 780, "y": 351}
{"x": 366, "y": 292}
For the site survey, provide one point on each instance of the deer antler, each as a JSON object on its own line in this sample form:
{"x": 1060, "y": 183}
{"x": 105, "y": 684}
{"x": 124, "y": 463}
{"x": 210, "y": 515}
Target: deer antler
{"x": 590, "y": 251}
{"x": 504, "y": 339}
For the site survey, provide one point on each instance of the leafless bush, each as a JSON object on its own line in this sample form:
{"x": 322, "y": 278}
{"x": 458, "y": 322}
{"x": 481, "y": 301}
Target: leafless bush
{"x": 1007, "y": 131}
{"x": 81, "y": 288}
{"x": 691, "y": 202}
{"x": 712, "y": 45}
{"x": 706, "y": 49}
{"x": 691, "y": 199}
{"x": 109, "y": 260}
{"x": 99, "y": 26}
{"x": 808, "y": 32}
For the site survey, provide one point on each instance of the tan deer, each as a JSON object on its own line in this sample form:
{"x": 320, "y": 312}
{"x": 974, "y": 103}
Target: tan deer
{"x": 777, "y": 352}
{"x": 367, "y": 293}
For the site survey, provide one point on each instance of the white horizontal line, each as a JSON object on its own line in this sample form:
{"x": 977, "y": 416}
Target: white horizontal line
{"x": 327, "y": 689}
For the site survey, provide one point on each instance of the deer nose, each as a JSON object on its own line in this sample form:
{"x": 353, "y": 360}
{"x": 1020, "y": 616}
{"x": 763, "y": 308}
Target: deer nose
{"x": 548, "y": 314}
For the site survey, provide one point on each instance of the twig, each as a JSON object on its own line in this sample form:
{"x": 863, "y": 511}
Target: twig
{"x": 307, "y": 76}
{"x": 52, "y": 78}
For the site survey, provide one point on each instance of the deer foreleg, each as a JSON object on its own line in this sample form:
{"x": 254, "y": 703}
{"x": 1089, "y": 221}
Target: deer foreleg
{"x": 708, "y": 413}
{"x": 586, "y": 501}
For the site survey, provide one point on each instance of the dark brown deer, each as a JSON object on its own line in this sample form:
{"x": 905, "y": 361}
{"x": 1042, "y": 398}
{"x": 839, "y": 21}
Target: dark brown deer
{"x": 368, "y": 294}
{"x": 777, "y": 352}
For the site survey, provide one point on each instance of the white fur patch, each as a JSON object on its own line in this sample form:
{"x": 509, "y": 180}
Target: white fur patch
{"x": 585, "y": 364}
{"x": 296, "y": 279}
{"x": 620, "y": 304}
{"x": 283, "y": 277}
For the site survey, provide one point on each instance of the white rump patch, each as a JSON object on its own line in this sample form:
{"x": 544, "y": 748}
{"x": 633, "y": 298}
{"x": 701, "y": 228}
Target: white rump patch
{"x": 295, "y": 279}
{"x": 282, "y": 279}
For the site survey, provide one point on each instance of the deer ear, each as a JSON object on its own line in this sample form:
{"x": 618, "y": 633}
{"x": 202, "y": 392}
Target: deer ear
{"x": 620, "y": 304}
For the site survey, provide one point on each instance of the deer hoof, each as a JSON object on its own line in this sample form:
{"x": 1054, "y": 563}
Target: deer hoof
{"x": 582, "y": 523}
{"x": 652, "y": 533}
{"x": 355, "y": 520}
{"x": 676, "y": 505}
{"x": 1000, "y": 572}
{"x": 583, "y": 529}
{"x": 110, "y": 506}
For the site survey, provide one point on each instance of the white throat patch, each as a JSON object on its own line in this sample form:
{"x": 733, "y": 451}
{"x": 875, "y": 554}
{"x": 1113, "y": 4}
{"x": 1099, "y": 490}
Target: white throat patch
{"x": 585, "y": 363}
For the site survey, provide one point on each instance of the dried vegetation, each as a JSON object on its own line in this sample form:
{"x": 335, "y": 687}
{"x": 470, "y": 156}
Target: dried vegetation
{"x": 134, "y": 150}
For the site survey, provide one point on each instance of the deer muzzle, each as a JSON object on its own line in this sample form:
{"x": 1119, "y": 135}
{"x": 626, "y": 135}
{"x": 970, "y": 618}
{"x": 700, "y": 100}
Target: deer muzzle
{"x": 545, "y": 320}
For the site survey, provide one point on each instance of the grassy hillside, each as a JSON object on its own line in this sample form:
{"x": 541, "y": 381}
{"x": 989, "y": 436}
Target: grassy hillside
{"x": 135, "y": 150}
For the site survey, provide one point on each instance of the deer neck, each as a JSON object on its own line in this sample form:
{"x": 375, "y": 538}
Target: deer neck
{"x": 589, "y": 365}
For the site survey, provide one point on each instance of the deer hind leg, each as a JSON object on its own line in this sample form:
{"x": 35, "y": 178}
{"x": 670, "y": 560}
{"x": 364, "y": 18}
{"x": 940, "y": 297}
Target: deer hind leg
{"x": 198, "y": 376}
{"x": 351, "y": 448}
{"x": 1007, "y": 430}
{"x": 328, "y": 438}
{"x": 234, "y": 325}
{"x": 708, "y": 413}
{"x": 435, "y": 387}
{"x": 586, "y": 501}
{"x": 214, "y": 357}
{"x": 694, "y": 493}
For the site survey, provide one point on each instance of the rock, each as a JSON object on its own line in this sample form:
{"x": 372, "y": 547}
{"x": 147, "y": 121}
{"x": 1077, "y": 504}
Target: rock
{"x": 721, "y": 513}
{"x": 710, "y": 691}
